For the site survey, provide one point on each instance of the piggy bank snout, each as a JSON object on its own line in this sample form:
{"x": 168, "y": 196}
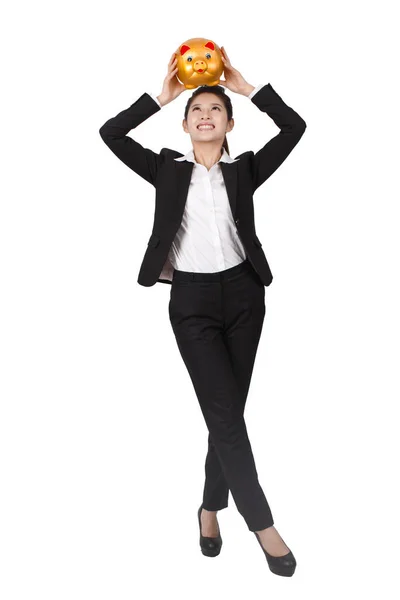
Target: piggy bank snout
{"x": 200, "y": 66}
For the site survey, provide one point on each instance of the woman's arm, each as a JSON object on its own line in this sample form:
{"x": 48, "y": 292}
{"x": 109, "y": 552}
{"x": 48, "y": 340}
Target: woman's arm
{"x": 291, "y": 125}
{"x": 143, "y": 161}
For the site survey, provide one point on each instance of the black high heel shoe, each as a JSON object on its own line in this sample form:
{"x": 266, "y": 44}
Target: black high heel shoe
{"x": 210, "y": 546}
{"x": 280, "y": 565}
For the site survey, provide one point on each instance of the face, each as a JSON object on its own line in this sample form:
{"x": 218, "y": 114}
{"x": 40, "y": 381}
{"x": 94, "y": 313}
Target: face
{"x": 209, "y": 109}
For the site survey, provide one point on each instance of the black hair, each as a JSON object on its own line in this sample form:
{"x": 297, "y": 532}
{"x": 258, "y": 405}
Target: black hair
{"x": 219, "y": 91}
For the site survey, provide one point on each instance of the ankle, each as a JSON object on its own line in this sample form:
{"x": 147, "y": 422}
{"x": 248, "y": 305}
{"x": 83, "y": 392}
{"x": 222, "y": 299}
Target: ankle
{"x": 210, "y": 512}
{"x": 261, "y": 531}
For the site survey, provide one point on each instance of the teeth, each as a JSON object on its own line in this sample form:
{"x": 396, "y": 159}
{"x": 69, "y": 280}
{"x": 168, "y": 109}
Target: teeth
{"x": 205, "y": 127}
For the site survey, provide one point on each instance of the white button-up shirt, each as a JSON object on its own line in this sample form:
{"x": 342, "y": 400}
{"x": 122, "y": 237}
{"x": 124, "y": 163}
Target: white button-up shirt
{"x": 207, "y": 240}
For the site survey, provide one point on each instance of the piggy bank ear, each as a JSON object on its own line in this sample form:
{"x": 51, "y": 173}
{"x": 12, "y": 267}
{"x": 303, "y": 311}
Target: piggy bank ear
{"x": 210, "y": 45}
{"x": 184, "y": 49}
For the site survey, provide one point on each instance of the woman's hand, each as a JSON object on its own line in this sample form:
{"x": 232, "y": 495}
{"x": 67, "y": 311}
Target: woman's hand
{"x": 234, "y": 81}
{"x": 171, "y": 86}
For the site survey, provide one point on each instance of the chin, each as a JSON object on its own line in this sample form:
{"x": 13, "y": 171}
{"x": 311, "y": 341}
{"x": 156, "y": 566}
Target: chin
{"x": 208, "y": 136}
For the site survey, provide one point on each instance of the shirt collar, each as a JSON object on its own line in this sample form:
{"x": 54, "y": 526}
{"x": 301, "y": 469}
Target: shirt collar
{"x": 224, "y": 158}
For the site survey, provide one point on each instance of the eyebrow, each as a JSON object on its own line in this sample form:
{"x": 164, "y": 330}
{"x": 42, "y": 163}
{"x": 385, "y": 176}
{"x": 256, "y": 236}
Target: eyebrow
{"x": 212, "y": 103}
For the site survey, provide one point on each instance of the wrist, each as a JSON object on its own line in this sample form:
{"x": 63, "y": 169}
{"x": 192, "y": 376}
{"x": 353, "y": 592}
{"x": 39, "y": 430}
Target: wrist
{"x": 247, "y": 89}
{"x": 163, "y": 100}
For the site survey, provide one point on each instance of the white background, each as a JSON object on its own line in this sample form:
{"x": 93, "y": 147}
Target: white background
{"x": 102, "y": 440}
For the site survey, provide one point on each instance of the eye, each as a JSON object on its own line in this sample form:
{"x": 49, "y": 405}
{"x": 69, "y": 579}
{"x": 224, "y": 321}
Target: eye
{"x": 189, "y": 59}
{"x": 198, "y": 107}
{"x": 208, "y": 55}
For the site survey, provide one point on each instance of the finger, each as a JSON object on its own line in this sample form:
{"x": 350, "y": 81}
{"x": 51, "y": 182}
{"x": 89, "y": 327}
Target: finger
{"x": 227, "y": 58}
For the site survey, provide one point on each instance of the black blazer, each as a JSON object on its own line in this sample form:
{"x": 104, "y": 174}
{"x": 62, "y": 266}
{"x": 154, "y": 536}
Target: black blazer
{"x": 171, "y": 179}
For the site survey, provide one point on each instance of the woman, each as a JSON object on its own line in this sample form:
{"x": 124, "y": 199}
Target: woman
{"x": 217, "y": 301}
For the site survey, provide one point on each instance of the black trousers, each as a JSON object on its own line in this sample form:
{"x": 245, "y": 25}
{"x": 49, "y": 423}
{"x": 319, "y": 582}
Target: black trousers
{"x": 217, "y": 320}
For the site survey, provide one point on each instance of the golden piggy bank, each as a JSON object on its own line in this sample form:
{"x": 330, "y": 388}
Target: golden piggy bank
{"x": 199, "y": 63}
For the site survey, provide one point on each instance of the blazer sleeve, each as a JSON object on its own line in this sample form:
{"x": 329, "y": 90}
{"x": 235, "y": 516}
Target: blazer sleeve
{"x": 143, "y": 161}
{"x": 291, "y": 125}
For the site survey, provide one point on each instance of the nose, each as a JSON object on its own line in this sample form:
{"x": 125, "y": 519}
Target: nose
{"x": 199, "y": 65}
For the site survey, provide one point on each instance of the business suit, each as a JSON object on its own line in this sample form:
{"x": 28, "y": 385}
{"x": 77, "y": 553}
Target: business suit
{"x": 217, "y": 317}
{"x": 171, "y": 179}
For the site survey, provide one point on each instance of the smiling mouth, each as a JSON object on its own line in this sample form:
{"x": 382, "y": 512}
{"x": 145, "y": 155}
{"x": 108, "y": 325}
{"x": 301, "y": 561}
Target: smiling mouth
{"x": 205, "y": 127}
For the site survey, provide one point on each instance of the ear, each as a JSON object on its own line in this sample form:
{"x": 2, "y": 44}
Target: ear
{"x": 184, "y": 125}
{"x": 230, "y": 125}
{"x": 184, "y": 49}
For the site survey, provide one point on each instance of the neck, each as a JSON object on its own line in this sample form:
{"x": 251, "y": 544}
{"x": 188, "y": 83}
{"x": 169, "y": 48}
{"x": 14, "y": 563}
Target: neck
{"x": 207, "y": 154}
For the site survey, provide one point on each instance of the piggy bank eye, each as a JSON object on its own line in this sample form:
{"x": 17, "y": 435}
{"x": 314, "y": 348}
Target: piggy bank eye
{"x": 189, "y": 59}
{"x": 208, "y": 55}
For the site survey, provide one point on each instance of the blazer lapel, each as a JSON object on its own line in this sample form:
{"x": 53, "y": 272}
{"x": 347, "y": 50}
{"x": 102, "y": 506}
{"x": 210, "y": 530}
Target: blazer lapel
{"x": 229, "y": 172}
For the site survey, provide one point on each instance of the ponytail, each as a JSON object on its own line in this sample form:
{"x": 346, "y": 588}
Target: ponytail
{"x": 225, "y": 145}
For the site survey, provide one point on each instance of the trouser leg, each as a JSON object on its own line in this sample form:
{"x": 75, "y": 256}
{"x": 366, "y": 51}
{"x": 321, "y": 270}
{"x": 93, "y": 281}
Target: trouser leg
{"x": 195, "y": 314}
{"x": 243, "y": 327}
